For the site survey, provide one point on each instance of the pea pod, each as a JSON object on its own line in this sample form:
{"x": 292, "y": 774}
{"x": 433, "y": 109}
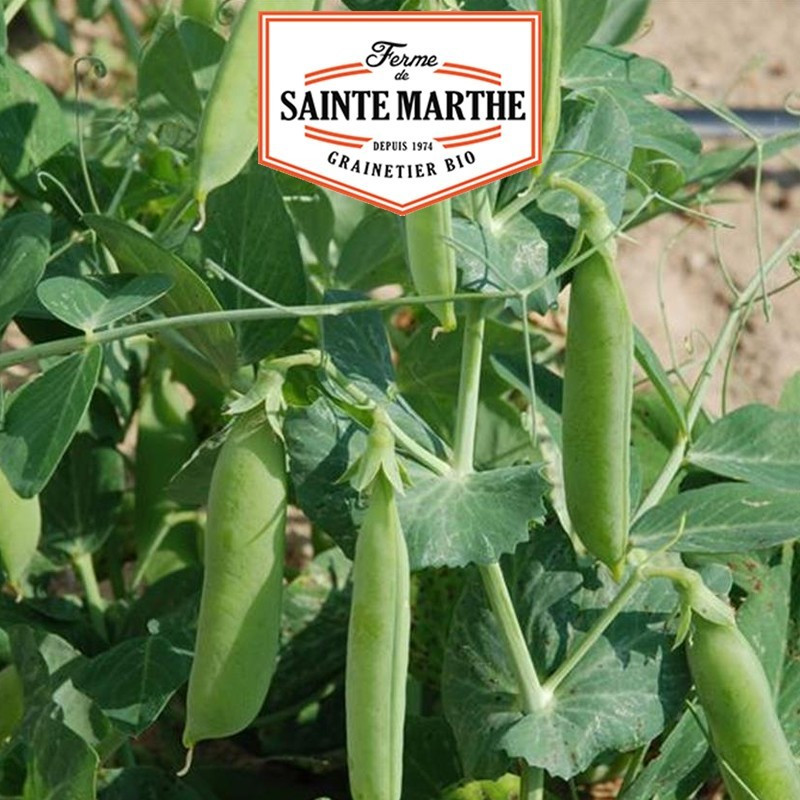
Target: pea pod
{"x": 166, "y": 440}
{"x": 239, "y": 622}
{"x": 12, "y": 704}
{"x": 229, "y": 124}
{"x": 20, "y": 529}
{"x": 754, "y": 756}
{"x": 377, "y": 651}
{"x": 598, "y": 392}
{"x": 431, "y": 258}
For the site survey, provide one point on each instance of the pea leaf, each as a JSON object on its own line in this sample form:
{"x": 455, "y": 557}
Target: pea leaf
{"x": 456, "y": 520}
{"x": 513, "y": 257}
{"x": 682, "y": 766}
{"x": 42, "y": 418}
{"x": 250, "y": 234}
{"x": 756, "y": 444}
{"x": 723, "y": 518}
{"x": 32, "y": 126}
{"x": 81, "y": 502}
{"x": 61, "y": 765}
{"x": 133, "y": 681}
{"x": 140, "y": 255}
{"x": 618, "y": 697}
{"x": 594, "y": 148}
{"x": 24, "y": 248}
{"x": 622, "y": 20}
{"x": 373, "y": 254}
{"x": 616, "y": 69}
{"x": 581, "y": 19}
{"x": 92, "y": 302}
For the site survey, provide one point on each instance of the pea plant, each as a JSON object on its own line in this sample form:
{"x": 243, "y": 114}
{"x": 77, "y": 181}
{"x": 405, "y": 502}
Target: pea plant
{"x": 301, "y": 499}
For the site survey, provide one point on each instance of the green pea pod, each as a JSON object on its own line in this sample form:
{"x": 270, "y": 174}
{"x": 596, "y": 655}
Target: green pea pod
{"x": 377, "y": 651}
{"x": 166, "y": 440}
{"x": 431, "y": 258}
{"x": 240, "y": 609}
{"x": 737, "y": 699}
{"x": 229, "y": 124}
{"x": 12, "y": 703}
{"x": 598, "y": 393}
{"x": 20, "y": 529}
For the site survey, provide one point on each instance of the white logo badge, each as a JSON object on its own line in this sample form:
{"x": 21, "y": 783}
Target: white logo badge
{"x": 400, "y": 110}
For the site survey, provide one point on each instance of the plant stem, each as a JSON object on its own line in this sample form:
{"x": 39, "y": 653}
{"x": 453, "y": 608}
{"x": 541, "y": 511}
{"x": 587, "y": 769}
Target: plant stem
{"x": 469, "y": 391}
{"x": 72, "y": 344}
{"x": 738, "y": 314}
{"x": 361, "y": 398}
{"x": 531, "y": 786}
{"x": 534, "y": 696}
{"x": 596, "y": 631}
{"x": 84, "y": 566}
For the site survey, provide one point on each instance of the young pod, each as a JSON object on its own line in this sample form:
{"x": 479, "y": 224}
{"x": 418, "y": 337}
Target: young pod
{"x": 229, "y": 125}
{"x": 598, "y": 393}
{"x": 166, "y": 440}
{"x": 20, "y": 529}
{"x": 377, "y": 651}
{"x": 746, "y": 735}
{"x": 431, "y": 258}
{"x": 240, "y": 610}
{"x": 12, "y": 702}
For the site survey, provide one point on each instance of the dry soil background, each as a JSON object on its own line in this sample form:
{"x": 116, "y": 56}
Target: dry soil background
{"x": 746, "y": 53}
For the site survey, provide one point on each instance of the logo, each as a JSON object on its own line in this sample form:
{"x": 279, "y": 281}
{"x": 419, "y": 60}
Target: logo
{"x": 400, "y": 109}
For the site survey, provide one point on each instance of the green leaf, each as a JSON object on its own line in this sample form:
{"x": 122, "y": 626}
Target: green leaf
{"x": 140, "y": 255}
{"x": 24, "y": 248}
{"x": 94, "y": 301}
{"x": 756, "y": 444}
{"x": 622, "y": 21}
{"x": 581, "y": 19}
{"x": 357, "y": 345}
{"x": 790, "y": 394}
{"x": 44, "y": 18}
{"x": 613, "y": 69}
{"x": 647, "y": 359}
{"x": 311, "y": 211}
{"x": 764, "y": 616}
{"x": 456, "y": 520}
{"x": 658, "y": 129}
{"x": 165, "y": 80}
{"x": 430, "y": 758}
{"x": 81, "y": 502}
{"x": 513, "y": 257}
{"x": 42, "y": 419}
{"x": 618, "y": 697}
{"x": 250, "y": 234}
{"x": 133, "y": 681}
{"x": 596, "y": 134}
{"x": 32, "y": 126}
{"x": 682, "y": 766}
{"x": 723, "y": 518}
{"x": 316, "y": 607}
{"x": 373, "y": 254}
{"x": 61, "y": 766}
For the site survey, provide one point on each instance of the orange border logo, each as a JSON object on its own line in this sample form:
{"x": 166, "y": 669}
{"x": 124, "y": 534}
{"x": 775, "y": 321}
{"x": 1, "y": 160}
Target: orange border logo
{"x": 400, "y": 109}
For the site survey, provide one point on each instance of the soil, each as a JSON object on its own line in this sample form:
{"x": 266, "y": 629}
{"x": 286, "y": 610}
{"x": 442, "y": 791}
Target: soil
{"x": 744, "y": 53}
